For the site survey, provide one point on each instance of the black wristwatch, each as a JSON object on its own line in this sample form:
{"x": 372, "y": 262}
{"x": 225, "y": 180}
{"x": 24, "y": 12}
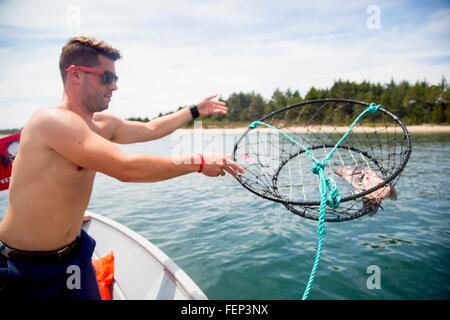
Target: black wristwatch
{"x": 194, "y": 111}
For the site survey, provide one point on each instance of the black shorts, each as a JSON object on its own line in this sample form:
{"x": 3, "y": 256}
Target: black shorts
{"x": 70, "y": 279}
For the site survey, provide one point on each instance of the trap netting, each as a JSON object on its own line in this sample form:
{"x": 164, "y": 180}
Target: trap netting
{"x": 298, "y": 155}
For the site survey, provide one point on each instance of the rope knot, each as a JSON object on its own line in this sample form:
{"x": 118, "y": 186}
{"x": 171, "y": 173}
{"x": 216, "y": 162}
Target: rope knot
{"x": 317, "y": 167}
{"x": 334, "y": 197}
{"x": 373, "y": 107}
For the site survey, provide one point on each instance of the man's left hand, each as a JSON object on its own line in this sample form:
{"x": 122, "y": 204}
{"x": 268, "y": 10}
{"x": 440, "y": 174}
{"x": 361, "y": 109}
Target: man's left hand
{"x": 209, "y": 106}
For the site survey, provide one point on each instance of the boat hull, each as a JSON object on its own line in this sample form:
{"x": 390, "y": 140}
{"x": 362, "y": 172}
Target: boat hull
{"x": 141, "y": 270}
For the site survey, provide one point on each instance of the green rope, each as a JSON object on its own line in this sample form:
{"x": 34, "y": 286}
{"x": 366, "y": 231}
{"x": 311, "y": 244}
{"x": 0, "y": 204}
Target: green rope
{"x": 329, "y": 193}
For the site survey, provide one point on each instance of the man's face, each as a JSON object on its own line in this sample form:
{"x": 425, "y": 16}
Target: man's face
{"x": 96, "y": 94}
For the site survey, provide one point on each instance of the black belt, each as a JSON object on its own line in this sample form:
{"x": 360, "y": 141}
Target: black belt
{"x": 39, "y": 256}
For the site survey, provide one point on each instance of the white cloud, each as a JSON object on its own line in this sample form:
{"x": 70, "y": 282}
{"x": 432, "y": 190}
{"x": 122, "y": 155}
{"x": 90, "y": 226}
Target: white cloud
{"x": 439, "y": 22}
{"x": 177, "y": 52}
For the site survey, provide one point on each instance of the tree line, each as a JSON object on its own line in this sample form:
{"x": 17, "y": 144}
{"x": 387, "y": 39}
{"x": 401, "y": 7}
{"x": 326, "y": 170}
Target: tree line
{"x": 416, "y": 103}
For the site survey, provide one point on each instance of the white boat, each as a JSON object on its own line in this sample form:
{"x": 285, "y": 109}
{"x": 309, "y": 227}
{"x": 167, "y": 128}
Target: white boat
{"x": 141, "y": 270}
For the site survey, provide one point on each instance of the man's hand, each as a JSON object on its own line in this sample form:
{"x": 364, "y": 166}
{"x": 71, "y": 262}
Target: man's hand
{"x": 216, "y": 165}
{"x": 209, "y": 106}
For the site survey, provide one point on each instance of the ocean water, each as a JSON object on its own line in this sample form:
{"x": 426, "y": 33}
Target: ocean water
{"x": 235, "y": 245}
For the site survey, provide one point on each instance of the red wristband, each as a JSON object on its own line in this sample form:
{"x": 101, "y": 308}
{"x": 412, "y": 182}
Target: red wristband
{"x": 202, "y": 163}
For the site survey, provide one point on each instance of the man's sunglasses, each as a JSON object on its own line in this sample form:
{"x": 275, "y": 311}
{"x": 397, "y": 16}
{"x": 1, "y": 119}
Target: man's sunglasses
{"x": 107, "y": 76}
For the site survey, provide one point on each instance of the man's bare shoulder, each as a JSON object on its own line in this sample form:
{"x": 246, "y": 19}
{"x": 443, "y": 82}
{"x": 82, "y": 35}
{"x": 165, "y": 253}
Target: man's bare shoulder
{"x": 107, "y": 123}
{"x": 55, "y": 123}
{"x": 107, "y": 119}
{"x": 54, "y": 115}
{"x": 106, "y": 116}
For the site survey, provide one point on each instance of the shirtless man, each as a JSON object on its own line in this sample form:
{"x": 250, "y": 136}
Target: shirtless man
{"x": 61, "y": 149}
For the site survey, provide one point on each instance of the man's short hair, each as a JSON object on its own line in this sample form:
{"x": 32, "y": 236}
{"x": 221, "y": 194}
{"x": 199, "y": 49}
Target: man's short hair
{"x": 84, "y": 51}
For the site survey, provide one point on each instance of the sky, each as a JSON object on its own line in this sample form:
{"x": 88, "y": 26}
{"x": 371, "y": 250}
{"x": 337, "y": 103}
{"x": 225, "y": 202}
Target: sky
{"x": 177, "y": 52}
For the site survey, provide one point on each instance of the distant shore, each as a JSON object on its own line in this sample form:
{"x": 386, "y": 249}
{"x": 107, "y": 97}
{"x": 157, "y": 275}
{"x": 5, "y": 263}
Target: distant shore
{"x": 415, "y": 129}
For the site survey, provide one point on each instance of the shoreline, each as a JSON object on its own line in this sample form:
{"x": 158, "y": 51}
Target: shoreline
{"x": 415, "y": 129}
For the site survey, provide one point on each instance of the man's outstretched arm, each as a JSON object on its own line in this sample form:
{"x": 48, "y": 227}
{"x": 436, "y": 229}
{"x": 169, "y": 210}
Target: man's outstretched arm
{"x": 134, "y": 131}
{"x": 69, "y": 136}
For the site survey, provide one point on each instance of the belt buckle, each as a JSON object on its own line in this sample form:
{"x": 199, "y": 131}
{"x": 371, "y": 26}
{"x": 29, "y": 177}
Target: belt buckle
{"x": 60, "y": 253}
{"x": 62, "y": 250}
